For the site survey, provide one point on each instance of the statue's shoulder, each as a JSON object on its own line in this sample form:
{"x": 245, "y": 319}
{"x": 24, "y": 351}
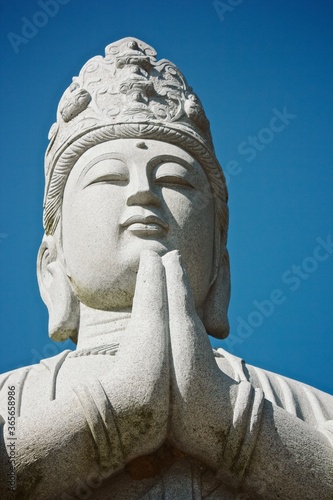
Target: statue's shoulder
{"x": 32, "y": 384}
{"x": 301, "y": 400}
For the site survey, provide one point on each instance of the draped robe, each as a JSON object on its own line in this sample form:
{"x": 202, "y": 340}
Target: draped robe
{"x": 167, "y": 474}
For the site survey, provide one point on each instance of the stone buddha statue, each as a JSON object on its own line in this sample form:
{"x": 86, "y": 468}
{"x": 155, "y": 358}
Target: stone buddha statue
{"x": 134, "y": 269}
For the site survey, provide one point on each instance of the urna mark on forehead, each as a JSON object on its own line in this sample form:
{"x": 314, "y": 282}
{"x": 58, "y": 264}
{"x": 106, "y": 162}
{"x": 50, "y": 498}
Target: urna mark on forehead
{"x": 128, "y": 94}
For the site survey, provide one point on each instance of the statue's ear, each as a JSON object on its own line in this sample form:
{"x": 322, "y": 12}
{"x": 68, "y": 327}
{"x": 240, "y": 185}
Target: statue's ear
{"x": 215, "y": 310}
{"x": 56, "y": 292}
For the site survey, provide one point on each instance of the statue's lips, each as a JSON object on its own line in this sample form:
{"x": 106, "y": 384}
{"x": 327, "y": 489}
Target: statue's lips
{"x": 148, "y": 224}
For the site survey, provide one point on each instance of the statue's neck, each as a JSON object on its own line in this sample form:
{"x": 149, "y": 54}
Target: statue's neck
{"x": 98, "y": 328}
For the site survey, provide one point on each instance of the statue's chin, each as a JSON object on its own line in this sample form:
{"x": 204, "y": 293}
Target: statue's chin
{"x": 113, "y": 295}
{"x": 111, "y": 287}
{"x": 111, "y": 284}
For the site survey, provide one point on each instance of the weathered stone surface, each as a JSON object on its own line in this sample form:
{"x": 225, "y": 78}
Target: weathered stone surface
{"x": 134, "y": 268}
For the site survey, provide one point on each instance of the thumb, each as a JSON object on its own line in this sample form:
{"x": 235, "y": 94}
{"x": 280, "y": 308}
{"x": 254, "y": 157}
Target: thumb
{"x": 190, "y": 344}
{"x": 147, "y": 332}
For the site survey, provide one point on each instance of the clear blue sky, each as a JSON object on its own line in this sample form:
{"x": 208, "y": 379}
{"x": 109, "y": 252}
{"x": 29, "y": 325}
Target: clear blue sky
{"x": 263, "y": 71}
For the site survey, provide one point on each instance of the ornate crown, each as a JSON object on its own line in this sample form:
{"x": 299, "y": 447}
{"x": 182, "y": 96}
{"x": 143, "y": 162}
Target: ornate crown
{"x": 127, "y": 93}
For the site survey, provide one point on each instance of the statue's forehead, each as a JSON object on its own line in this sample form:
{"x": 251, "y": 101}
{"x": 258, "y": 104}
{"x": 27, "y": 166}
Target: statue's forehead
{"x": 136, "y": 150}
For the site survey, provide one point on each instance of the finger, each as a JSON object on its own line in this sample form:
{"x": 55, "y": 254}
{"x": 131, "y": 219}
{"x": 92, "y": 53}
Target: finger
{"x": 189, "y": 340}
{"x": 182, "y": 310}
{"x": 147, "y": 333}
{"x": 150, "y": 297}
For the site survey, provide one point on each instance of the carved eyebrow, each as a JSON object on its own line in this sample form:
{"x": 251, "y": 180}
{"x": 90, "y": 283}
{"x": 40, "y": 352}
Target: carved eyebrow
{"x": 98, "y": 159}
{"x": 160, "y": 159}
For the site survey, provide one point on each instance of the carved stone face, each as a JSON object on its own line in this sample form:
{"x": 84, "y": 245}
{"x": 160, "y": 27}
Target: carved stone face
{"x": 125, "y": 196}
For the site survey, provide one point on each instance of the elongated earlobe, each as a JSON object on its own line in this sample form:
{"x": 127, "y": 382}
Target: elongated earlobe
{"x": 215, "y": 311}
{"x": 57, "y": 294}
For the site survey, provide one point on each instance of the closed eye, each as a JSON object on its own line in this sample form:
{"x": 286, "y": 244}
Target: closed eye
{"x": 114, "y": 178}
{"x": 173, "y": 180}
{"x": 172, "y": 174}
{"x": 106, "y": 170}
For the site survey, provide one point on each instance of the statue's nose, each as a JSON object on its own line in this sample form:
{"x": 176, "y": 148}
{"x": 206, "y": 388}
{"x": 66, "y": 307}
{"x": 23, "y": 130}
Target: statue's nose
{"x": 140, "y": 192}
